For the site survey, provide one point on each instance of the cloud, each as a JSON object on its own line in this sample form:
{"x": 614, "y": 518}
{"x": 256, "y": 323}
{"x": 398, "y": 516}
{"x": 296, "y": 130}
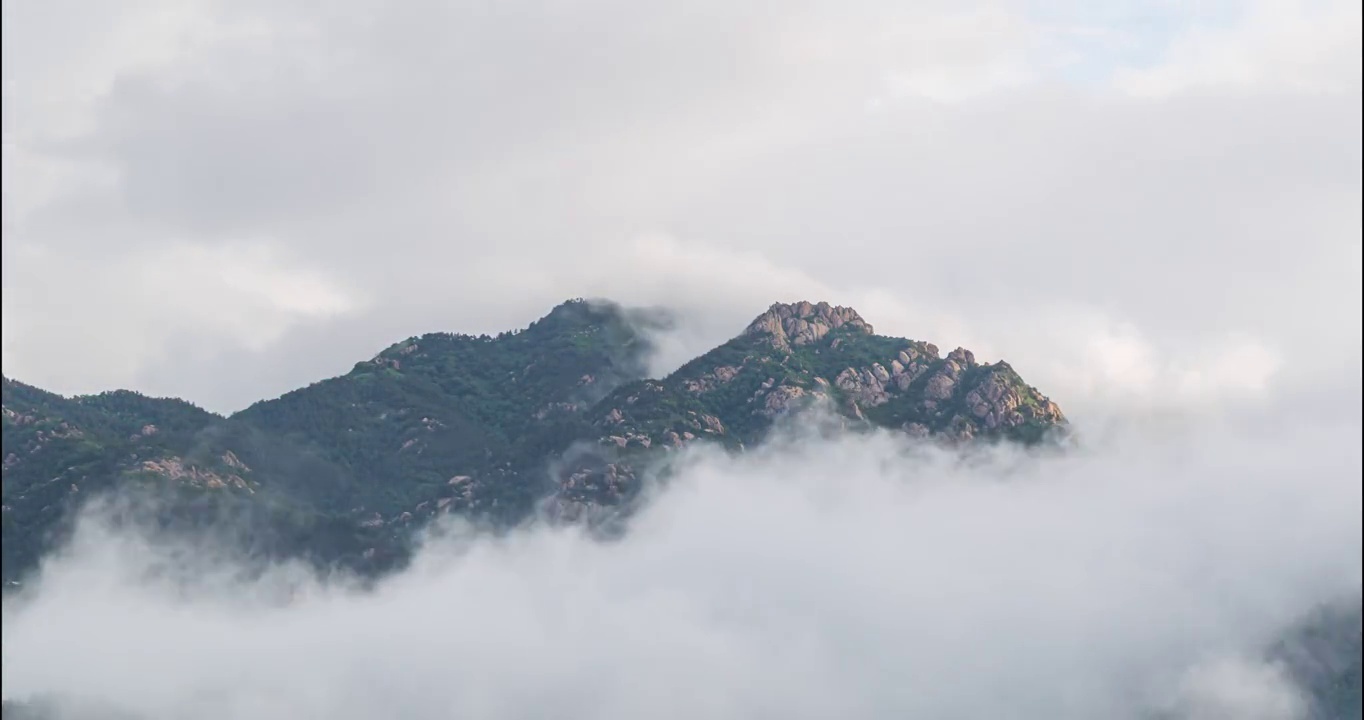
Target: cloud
{"x": 1150, "y": 212}
{"x": 816, "y": 576}
{"x": 1301, "y": 45}
{"x": 441, "y": 167}
{"x": 249, "y": 291}
{"x": 1097, "y": 363}
{"x": 1236, "y": 688}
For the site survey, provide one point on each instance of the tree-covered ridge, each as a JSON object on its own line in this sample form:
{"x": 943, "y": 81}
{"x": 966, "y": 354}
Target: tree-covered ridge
{"x": 428, "y": 422}
{"x": 484, "y": 426}
{"x": 59, "y": 451}
{"x": 402, "y": 426}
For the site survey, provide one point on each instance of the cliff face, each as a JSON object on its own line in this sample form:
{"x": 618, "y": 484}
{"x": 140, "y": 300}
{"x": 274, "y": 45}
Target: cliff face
{"x": 442, "y": 423}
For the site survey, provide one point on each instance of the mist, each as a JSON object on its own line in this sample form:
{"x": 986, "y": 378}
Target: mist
{"x": 1140, "y": 575}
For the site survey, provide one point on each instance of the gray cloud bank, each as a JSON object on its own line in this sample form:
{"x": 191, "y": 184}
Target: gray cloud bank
{"x": 815, "y": 577}
{"x": 227, "y": 200}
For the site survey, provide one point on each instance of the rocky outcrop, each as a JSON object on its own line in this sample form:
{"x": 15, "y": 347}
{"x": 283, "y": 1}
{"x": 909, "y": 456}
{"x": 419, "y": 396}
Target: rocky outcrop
{"x": 719, "y": 376}
{"x": 629, "y": 440}
{"x": 674, "y": 439}
{"x": 866, "y": 387}
{"x": 176, "y": 469}
{"x": 795, "y": 324}
{"x": 231, "y": 460}
{"x": 955, "y": 397}
{"x": 557, "y": 409}
{"x": 592, "y": 483}
{"x": 990, "y": 400}
{"x": 877, "y": 383}
{"x": 786, "y": 398}
{"x": 791, "y": 357}
{"x": 45, "y": 430}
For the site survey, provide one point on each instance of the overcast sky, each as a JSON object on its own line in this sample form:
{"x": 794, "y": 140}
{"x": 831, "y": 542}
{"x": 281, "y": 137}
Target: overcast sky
{"x": 226, "y": 200}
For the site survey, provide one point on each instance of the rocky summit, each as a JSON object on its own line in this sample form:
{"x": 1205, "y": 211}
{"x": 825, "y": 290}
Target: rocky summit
{"x": 559, "y": 416}
{"x": 803, "y": 323}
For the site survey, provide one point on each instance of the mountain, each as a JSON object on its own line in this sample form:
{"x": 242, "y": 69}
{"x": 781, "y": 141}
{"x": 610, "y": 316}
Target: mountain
{"x": 559, "y": 415}
{"x": 790, "y": 358}
{"x": 59, "y": 451}
{"x": 1322, "y": 654}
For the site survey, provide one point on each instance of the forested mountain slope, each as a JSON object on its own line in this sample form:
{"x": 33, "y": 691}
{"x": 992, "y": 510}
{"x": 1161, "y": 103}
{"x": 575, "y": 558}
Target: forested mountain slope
{"x": 558, "y": 413}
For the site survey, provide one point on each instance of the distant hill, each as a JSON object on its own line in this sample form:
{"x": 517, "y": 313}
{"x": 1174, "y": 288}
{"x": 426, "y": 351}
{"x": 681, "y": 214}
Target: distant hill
{"x": 559, "y": 413}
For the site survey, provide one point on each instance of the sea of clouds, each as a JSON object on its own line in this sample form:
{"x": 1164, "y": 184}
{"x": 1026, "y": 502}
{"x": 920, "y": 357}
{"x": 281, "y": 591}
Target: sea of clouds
{"x": 1141, "y": 574}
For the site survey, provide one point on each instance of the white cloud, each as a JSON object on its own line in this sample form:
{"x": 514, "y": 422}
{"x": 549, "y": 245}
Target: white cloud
{"x": 1236, "y": 688}
{"x": 1097, "y": 363}
{"x": 1309, "y": 46}
{"x": 811, "y": 578}
{"x": 245, "y": 291}
{"x": 446, "y": 169}
{"x": 228, "y": 200}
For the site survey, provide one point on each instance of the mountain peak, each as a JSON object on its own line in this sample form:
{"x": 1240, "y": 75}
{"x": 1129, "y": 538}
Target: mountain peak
{"x": 475, "y": 425}
{"x": 583, "y": 311}
{"x": 803, "y": 322}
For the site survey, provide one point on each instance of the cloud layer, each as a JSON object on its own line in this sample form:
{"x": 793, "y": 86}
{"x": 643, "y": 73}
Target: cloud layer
{"x": 857, "y": 577}
{"x": 225, "y": 201}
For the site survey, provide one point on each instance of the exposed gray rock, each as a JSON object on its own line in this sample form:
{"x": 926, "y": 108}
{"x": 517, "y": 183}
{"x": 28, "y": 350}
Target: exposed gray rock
{"x": 711, "y": 380}
{"x": 802, "y": 323}
{"x": 940, "y": 386}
